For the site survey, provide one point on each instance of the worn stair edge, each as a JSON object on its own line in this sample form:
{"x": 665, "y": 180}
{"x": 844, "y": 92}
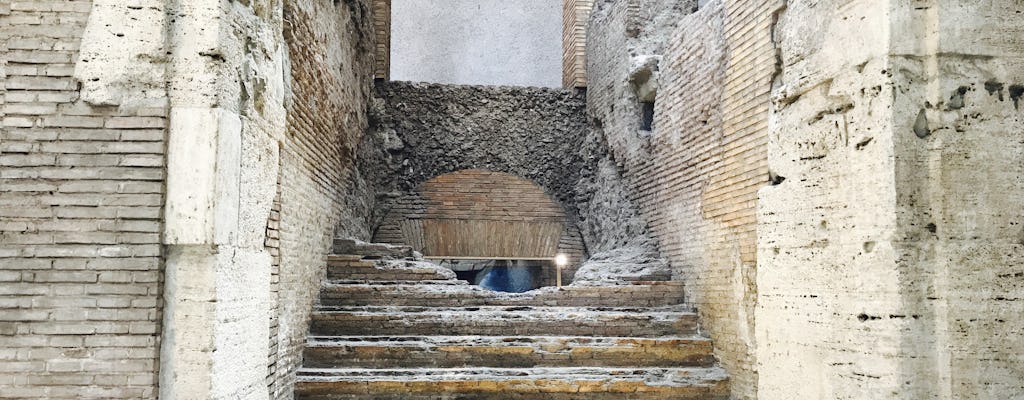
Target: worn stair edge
{"x": 460, "y": 293}
{"x": 498, "y": 351}
{"x": 684, "y": 383}
{"x": 491, "y": 321}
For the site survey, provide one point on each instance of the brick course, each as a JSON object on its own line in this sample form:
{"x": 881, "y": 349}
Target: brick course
{"x": 81, "y": 192}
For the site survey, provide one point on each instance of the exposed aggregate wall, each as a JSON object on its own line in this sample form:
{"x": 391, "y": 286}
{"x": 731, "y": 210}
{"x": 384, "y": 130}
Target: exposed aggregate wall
{"x": 420, "y": 131}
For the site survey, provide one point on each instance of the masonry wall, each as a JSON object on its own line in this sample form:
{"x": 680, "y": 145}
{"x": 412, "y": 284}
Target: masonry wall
{"x": 81, "y": 191}
{"x": 331, "y": 53}
{"x": 900, "y": 207}
{"x": 694, "y": 174}
{"x": 575, "y": 14}
{"x": 421, "y": 131}
{"x": 484, "y": 213}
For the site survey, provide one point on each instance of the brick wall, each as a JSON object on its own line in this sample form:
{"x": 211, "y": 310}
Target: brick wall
{"x": 81, "y": 190}
{"x": 696, "y": 174}
{"x": 330, "y": 45}
{"x": 382, "y": 30}
{"x": 483, "y": 213}
{"x": 575, "y": 14}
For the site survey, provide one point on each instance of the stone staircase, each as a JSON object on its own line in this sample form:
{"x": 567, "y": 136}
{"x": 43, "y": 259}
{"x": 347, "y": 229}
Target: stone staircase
{"x": 390, "y": 328}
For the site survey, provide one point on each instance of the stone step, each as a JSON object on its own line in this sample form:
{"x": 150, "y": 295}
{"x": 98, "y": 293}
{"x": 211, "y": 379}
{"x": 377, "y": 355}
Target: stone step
{"x": 354, "y": 268}
{"x": 503, "y": 321}
{"x": 371, "y": 250}
{"x": 513, "y": 383}
{"x": 505, "y": 351}
{"x": 460, "y": 293}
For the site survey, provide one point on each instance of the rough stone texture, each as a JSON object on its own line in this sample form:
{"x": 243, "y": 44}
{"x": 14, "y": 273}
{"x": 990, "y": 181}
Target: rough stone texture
{"x": 901, "y": 203}
{"x": 477, "y": 42}
{"x": 420, "y": 131}
{"x": 80, "y": 203}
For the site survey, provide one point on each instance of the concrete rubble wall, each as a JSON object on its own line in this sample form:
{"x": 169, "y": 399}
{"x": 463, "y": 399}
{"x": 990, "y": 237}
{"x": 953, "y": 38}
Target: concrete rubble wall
{"x": 891, "y": 254}
{"x": 420, "y": 131}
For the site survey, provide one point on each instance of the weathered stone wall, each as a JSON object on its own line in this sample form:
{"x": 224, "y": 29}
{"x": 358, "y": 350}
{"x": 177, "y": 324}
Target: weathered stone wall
{"x": 423, "y": 130}
{"x": 81, "y": 190}
{"x": 891, "y": 254}
{"x": 625, "y": 41}
{"x": 94, "y": 95}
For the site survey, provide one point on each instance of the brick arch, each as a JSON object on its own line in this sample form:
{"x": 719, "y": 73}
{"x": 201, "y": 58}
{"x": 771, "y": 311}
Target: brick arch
{"x": 480, "y": 213}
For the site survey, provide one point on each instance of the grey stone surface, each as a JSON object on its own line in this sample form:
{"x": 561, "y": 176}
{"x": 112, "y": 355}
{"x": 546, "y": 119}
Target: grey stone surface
{"x": 477, "y": 42}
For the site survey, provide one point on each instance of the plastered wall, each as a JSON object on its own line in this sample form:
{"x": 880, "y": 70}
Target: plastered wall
{"x": 477, "y": 42}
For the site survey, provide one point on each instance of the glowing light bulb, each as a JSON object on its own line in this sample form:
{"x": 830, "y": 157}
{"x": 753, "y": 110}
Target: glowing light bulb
{"x": 561, "y": 260}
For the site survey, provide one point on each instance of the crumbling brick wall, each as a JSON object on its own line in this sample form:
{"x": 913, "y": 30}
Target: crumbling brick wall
{"x": 695, "y": 171}
{"x": 330, "y": 46}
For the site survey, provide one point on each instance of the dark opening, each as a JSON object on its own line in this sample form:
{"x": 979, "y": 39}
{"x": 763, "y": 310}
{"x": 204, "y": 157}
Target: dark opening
{"x": 514, "y": 276}
{"x": 646, "y": 115}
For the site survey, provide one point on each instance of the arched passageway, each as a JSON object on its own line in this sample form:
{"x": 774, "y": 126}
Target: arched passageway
{"x": 471, "y": 218}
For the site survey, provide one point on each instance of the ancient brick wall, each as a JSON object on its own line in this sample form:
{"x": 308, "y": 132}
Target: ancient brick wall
{"x": 695, "y": 173}
{"x": 483, "y": 213}
{"x": 382, "y": 31}
{"x": 575, "y": 14}
{"x": 331, "y": 52}
{"x": 421, "y": 131}
{"x": 81, "y": 190}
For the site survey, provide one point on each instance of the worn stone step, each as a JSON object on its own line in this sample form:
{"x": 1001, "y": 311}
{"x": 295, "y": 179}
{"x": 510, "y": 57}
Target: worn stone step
{"x": 460, "y": 293}
{"x": 353, "y": 268}
{"x": 513, "y": 383}
{"x": 503, "y": 321}
{"x": 372, "y": 250}
{"x": 505, "y": 351}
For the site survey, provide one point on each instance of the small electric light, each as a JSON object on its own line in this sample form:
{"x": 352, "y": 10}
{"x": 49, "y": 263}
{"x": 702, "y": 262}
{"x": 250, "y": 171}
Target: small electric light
{"x": 561, "y": 260}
